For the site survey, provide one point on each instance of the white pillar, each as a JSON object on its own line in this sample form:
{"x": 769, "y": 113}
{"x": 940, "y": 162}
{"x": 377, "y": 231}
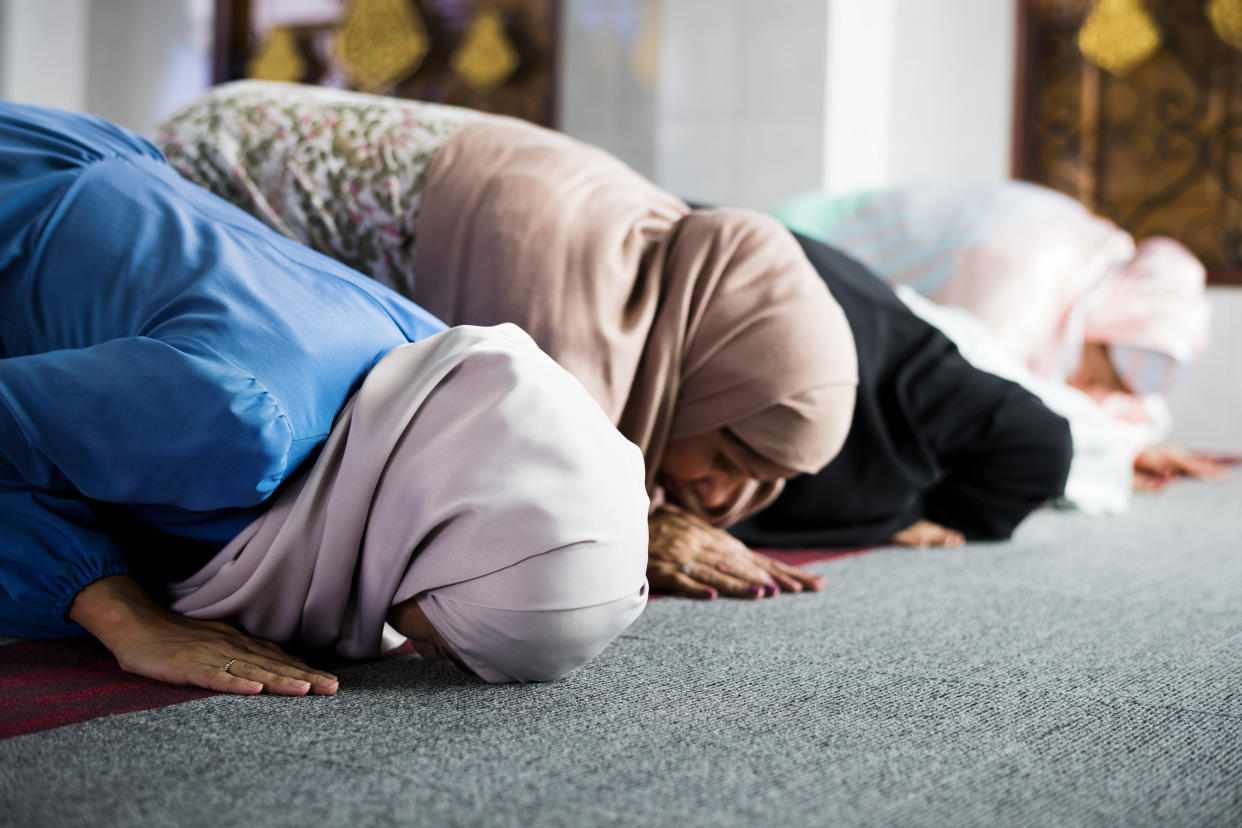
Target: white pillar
{"x": 858, "y": 95}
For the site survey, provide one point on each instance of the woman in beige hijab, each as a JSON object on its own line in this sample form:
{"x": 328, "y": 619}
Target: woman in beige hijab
{"x": 706, "y": 336}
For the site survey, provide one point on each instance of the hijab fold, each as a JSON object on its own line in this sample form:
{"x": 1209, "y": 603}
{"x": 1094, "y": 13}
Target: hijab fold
{"x": 1155, "y": 315}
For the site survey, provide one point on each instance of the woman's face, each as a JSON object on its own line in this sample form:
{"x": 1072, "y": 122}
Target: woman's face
{"x": 1096, "y": 374}
{"x": 706, "y": 472}
{"x": 409, "y": 619}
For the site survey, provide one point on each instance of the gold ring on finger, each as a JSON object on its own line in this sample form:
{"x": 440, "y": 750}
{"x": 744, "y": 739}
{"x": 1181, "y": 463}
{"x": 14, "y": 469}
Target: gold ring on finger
{"x": 228, "y": 664}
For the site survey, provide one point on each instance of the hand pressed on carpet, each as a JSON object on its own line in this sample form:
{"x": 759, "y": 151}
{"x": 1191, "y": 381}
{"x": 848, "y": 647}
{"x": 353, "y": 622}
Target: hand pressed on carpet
{"x": 150, "y": 641}
{"x": 691, "y": 557}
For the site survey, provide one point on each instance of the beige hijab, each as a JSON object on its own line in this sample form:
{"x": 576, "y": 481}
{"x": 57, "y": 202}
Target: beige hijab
{"x": 469, "y": 471}
{"x": 678, "y": 322}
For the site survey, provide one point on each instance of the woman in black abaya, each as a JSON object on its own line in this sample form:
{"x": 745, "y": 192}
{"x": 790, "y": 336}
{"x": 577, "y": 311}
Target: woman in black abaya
{"x": 938, "y": 451}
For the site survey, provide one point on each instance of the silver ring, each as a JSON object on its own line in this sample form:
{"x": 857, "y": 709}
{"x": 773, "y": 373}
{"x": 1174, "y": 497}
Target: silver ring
{"x": 688, "y": 568}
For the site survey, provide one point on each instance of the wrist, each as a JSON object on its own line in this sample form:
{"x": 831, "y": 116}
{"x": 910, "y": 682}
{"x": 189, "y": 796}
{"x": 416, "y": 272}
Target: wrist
{"x": 107, "y": 608}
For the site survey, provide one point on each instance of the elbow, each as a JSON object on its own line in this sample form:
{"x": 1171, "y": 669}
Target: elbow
{"x": 245, "y": 456}
{"x": 254, "y": 462}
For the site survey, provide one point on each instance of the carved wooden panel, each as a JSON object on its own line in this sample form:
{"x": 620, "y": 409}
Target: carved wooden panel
{"x": 1135, "y": 108}
{"x": 493, "y": 55}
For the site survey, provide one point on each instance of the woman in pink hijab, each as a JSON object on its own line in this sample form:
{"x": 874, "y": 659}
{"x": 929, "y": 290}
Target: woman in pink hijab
{"x": 1068, "y": 293}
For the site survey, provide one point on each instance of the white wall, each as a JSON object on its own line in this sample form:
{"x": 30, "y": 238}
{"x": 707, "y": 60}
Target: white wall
{"x": 132, "y": 61}
{"x": 717, "y": 100}
{"x": 747, "y": 102}
{"x": 610, "y": 65}
{"x": 43, "y": 52}
{"x": 1207, "y": 407}
{"x": 147, "y": 58}
{"x": 952, "y": 89}
{"x": 740, "y": 111}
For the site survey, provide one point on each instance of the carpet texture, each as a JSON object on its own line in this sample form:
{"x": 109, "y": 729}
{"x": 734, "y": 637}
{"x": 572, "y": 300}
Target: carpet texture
{"x": 1089, "y": 672}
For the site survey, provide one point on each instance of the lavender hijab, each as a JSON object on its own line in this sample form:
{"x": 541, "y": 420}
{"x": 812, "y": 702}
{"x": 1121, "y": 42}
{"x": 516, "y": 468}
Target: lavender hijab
{"x": 472, "y": 472}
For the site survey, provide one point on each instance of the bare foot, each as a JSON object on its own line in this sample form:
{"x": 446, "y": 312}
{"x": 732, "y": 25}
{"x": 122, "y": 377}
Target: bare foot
{"x": 924, "y": 533}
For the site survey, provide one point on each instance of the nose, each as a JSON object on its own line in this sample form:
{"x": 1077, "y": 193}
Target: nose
{"x": 717, "y": 490}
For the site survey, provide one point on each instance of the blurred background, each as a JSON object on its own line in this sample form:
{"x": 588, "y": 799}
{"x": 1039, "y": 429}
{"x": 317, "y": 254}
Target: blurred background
{"x": 1132, "y": 106}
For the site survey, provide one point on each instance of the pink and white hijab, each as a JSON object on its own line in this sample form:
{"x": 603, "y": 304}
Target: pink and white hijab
{"x": 1039, "y": 269}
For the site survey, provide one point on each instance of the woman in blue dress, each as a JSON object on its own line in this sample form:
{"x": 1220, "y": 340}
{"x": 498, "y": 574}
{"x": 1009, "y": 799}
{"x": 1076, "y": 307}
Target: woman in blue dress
{"x": 170, "y": 369}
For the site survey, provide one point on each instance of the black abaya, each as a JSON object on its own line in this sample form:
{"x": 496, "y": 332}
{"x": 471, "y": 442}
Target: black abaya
{"x": 932, "y": 436}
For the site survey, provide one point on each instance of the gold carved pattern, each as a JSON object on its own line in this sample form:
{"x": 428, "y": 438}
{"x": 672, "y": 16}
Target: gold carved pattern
{"x": 492, "y": 55}
{"x": 381, "y": 42}
{"x": 1119, "y": 35}
{"x": 486, "y": 57}
{"x": 1159, "y": 149}
{"x": 279, "y": 58}
{"x": 1226, "y": 19}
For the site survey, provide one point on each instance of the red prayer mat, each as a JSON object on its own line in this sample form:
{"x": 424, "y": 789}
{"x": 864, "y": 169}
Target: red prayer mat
{"x": 49, "y": 684}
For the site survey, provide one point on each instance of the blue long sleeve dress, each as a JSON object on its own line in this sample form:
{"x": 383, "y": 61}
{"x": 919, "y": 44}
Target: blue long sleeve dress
{"x": 166, "y": 362}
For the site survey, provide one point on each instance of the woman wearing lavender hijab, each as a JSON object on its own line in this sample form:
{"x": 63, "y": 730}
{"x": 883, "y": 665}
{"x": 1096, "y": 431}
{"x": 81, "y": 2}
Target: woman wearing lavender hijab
{"x": 473, "y": 495}
{"x": 215, "y": 442}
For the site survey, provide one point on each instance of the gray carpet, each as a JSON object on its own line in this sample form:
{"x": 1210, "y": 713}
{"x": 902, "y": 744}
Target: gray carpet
{"x": 1087, "y": 673}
